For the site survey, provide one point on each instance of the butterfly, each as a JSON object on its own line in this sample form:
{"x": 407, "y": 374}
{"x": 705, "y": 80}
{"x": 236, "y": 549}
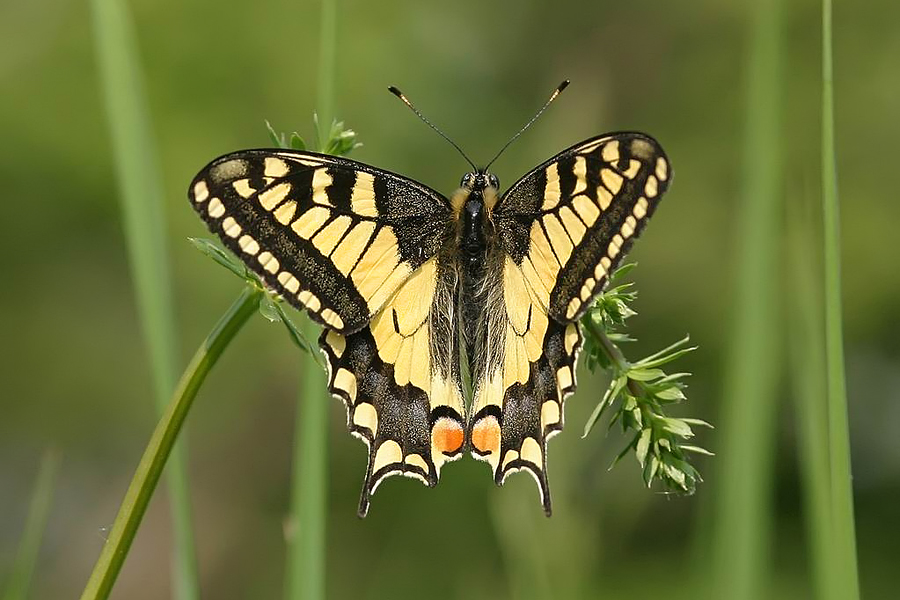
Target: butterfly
{"x": 416, "y": 290}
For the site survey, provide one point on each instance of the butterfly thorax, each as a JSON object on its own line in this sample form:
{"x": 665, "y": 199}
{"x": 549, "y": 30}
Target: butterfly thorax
{"x": 478, "y": 247}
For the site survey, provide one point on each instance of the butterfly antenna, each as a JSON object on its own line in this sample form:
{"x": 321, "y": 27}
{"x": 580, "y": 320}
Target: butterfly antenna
{"x": 402, "y": 97}
{"x": 553, "y": 96}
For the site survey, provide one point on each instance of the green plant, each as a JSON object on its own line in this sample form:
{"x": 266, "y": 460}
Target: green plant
{"x": 639, "y": 393}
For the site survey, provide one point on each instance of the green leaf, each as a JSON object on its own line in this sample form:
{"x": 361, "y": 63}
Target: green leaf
{"x": 622, "y": 271}
{"x": 267, "y": 308}
{"x": 644, "y": 374}
{"x": 678, "y": 426}
{"x": 297, "y": 142}
{"x": 209, "y": 248}
{"x": 277, "y": 139}
{"x": 643, "y": 445}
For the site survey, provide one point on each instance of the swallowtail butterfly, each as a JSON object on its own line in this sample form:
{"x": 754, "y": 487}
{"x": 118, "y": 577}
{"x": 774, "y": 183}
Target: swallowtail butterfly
{"x": 410, "y": 284}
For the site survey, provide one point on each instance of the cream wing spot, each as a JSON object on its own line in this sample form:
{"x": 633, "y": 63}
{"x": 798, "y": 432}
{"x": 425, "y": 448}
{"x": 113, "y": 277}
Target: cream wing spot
{"x": 231, "y": 227}
{"x": 271, "y": 197}
{"x": 362, "y": 200}
{"x": 243, "y": 188}
{"x": 651, "y": 187}
{"x": 290, "y": 283}
{"x": 510, "y": 456}
{"x": 580, "y": 172}
{"x": 604, "y": 197}
{"x": 610, "y": 152}
{"x": 347, "y": 252}
{"x": 332, "y": 318}
{"x": 586, "y": 209}
{"x": 309, "y": 300}
{"x": 365, "y": 416}
{"x": 573, "y": 307}
{"x": 321, "y": 180}
{"x": 571, "y": 337}
{"x": 215, "y": 209}
{"x": 633, "y": 168}
{"x": 201, "y": 192}
{"x": 388, "y": 453}
{"x": 662, "y": 169}
{"x": 336, "y": 342}
{"x": 269, "y": 263}
{"x": 346, "y": 381}
{"x": 228, "y": 170}
{"x": 248, "y": 245}
{"x": 531, "y": 452}
{"x": 285, "y": 212}
{"x": 275, "y": 167}
{"x": 551, "y": 191}
{"x": 628, "y": 226}
{"x": 549, "y": 414}
{"x": 559, "y": 240}
{"x": 640, "y": 208}
{"x": 611, "y": 179}
{"x": 564, "y": 378}
{"x": 329, "y": 236}
{"x": 310, "y": 222}
{"x": 574, "y": 227}
{"x": 416, "y": 460}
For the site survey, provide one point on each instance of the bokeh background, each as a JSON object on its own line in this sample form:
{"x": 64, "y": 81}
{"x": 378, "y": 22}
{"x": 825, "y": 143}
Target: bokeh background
{"x": 75, "y": 373}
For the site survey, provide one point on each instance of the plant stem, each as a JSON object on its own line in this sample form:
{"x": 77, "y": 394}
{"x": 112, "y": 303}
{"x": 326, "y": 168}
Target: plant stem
{"x": 160, "y": 446}
{"x": 838, "y": 426}
{"x": 615, "y": 356}
{"x": 141, "y": 197}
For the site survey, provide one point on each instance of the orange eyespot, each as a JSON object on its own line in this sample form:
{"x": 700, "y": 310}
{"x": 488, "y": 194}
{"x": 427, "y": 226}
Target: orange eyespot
{"x": 447, "y": 435}
{"x": 486, "y": 435}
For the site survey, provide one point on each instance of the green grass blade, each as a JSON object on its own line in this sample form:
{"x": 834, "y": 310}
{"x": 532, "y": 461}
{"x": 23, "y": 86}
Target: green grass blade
{"x": 306, "y": 543}
{"x": 161, "y": 443}
{"x": 30, "y": 544}
{"x": 838, "y": 426}
{"x": 141, "y": 203}
{"x": 743, "y": 512}
{"x": 808, "y": 377}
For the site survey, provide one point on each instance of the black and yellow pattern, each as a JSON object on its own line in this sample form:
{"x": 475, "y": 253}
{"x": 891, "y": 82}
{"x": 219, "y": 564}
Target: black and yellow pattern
{"x": 398, "y": 275}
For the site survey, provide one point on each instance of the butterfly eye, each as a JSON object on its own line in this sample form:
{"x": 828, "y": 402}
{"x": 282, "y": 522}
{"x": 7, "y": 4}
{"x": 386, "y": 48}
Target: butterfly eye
{"x": 493, "y": 181}
{"x": 467, "y": 180}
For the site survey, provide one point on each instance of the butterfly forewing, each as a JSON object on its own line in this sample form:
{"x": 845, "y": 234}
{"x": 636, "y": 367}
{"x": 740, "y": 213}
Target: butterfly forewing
{"x": 331, "y": 235}
{"x": 568, "y": 223}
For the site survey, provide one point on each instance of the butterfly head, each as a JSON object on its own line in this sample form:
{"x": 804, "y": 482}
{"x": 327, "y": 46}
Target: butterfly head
{"x": 479, "y": 181}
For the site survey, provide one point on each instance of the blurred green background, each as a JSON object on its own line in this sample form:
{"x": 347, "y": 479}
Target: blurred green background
{"x": 75, "y": 373}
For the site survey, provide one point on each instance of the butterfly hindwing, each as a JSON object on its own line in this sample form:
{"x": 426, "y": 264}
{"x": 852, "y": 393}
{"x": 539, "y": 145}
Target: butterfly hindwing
{"x": 331, "y": 235}
{"x": 530, "y": 372}
{"x": 399, "y": 380}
